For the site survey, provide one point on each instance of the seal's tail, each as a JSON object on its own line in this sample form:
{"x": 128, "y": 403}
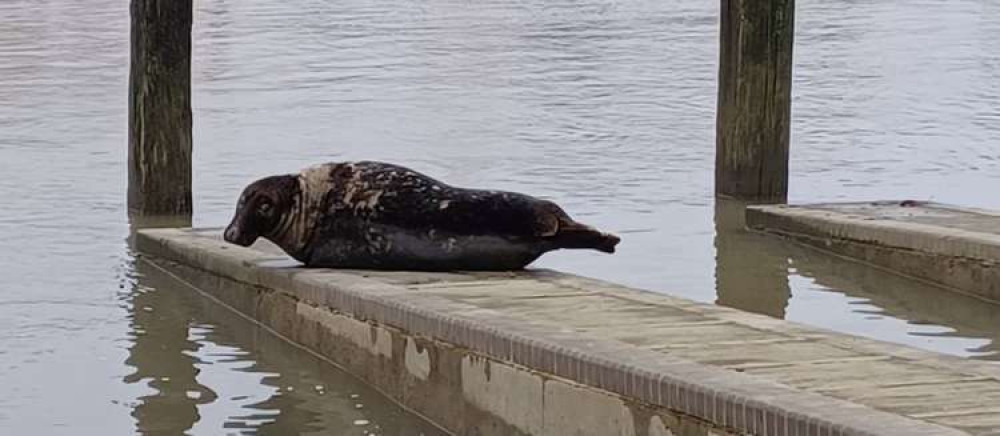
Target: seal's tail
{"x": 576, "y": 235}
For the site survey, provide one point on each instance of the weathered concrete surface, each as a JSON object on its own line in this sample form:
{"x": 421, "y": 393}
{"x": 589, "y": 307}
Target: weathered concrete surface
{"x": 541, "y": 352}
{"x": 955, "y": 247}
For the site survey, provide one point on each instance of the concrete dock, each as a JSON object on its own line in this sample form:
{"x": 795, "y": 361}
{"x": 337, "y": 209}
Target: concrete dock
{"x": 954, "y": 247}
{"x": 546, "y": 353}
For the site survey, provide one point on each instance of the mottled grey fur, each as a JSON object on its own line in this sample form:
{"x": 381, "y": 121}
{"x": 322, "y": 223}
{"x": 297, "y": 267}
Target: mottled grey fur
{"x": 374, "y": 215}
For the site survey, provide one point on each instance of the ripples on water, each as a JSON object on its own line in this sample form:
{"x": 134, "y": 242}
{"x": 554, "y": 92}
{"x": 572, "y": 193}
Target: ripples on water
{"x": 604, "y": 106}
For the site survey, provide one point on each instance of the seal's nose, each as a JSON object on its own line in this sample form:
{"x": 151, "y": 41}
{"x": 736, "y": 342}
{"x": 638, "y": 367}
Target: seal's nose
{"x": 230, "y": 234}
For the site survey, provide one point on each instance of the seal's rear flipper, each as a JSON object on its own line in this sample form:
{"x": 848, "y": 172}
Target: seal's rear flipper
{"x": 576, "y": 235}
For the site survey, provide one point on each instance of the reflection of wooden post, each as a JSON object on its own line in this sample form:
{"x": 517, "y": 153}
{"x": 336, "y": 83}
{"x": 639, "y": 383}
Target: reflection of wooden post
{"x": 161, "y": 353}
{"x": 159, "y": 140}
{"x": 163, "y": 358}
{"x": 751, "y": 270}
{"x": 754, "y": 102}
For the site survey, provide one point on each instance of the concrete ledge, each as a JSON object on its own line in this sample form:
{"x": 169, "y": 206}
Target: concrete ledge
{"x": 541, "y": 352}
{"x": 955, "y": 247}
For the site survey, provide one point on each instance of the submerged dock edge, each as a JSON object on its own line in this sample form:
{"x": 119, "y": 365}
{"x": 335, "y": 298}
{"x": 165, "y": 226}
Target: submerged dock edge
{"x": 474, "y": 371}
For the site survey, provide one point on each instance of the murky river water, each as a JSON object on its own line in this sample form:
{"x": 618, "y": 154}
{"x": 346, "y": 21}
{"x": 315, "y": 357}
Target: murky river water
{"x": 604, "y": 106}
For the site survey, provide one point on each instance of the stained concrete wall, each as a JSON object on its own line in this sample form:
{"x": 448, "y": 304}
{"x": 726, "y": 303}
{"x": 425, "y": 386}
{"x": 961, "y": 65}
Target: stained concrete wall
{"x": 462, "y": 391}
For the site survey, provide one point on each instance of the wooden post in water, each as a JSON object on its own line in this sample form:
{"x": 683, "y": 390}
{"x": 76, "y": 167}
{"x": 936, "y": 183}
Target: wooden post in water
{"x": 754, "y": 105}
{"x": 159, "y": 138}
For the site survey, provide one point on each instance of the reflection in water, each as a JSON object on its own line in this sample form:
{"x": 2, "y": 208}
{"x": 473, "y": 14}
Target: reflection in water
{"x": 755, "y": 272}
{"x": 934, "y": 318}
{"x": 162, "y": 351}
{"x": 212, "y": 371}
{"x": 163, "y": 355}
{"x": 751, "y": 273}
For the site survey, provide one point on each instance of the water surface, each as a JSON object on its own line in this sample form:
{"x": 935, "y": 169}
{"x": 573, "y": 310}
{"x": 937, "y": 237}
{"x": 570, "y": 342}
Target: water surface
{"x": 604, "y": 106}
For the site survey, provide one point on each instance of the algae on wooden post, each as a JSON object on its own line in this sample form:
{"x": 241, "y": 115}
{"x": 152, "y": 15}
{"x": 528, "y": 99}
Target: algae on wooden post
{"x": 754, "y": 102}
{"x": 159, "y": 140}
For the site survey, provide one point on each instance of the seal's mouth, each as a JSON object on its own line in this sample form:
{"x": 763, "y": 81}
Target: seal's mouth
{"x": 234, "y": 235}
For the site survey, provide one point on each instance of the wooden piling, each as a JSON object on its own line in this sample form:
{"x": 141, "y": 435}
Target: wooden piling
{"x": 159, "y": 140}
{"x": 754, "y": 102}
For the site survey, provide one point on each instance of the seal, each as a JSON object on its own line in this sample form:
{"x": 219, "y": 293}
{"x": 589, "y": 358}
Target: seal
{"x": 376, "y": 215}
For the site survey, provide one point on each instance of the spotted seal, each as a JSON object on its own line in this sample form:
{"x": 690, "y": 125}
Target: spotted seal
{"x": 376, "y": 215}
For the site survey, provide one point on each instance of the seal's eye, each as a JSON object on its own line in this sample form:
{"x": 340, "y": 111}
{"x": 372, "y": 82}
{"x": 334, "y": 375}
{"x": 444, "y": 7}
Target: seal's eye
{"x": 265, "y": 209}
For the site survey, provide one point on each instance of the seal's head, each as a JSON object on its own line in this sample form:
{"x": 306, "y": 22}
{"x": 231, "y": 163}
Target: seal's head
{"x": 262, "y": 208}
